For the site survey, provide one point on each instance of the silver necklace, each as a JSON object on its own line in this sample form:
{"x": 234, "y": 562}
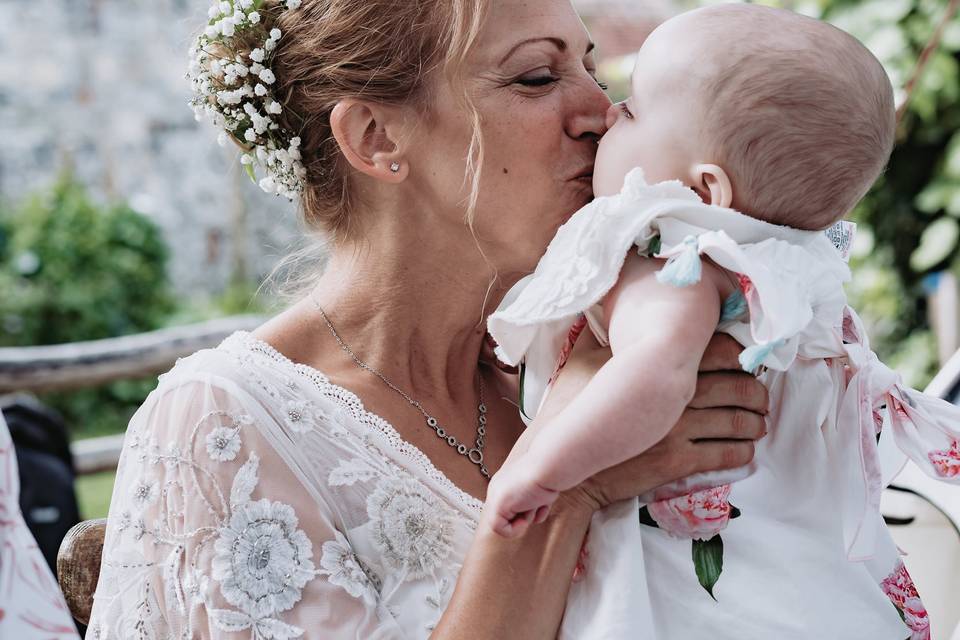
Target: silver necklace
{"x": 474, "y": 454}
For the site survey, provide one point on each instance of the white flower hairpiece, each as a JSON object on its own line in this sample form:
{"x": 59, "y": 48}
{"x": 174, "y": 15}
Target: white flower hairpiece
{"x": 231, "y": 77}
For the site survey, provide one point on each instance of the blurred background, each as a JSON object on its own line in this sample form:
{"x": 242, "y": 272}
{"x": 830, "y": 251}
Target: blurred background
{"x": 119, "y": 214}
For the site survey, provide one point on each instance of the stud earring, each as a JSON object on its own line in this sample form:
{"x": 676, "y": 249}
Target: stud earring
{"x": 395, "y": 167}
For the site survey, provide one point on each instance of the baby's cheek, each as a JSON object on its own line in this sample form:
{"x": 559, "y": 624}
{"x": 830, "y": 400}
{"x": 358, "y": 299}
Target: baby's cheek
{"x": 612, "y": 165}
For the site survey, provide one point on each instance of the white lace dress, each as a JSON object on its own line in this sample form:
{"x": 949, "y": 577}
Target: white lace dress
{"x": 256, "y": 499}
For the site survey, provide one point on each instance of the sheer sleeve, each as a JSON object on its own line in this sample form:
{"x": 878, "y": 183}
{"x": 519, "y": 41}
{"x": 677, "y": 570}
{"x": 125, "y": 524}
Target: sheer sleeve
{"x": 214, "y": 531}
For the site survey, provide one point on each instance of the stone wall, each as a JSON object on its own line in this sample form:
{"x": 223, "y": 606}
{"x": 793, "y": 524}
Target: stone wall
{"x": 99, "y": 85}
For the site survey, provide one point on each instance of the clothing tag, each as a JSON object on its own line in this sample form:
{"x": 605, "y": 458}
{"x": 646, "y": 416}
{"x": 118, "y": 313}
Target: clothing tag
{"x": 841, "y": 235}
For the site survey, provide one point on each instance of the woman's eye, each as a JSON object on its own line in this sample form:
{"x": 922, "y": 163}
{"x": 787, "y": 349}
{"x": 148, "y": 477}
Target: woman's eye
{"x": 626, "y": 111}
{"x": 537, "y": 81}
{"x": 593, "y": 74}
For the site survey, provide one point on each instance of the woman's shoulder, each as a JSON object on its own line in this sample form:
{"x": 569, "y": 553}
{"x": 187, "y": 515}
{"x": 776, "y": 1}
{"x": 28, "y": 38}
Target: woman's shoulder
{"x": 249, "y": 380}
{"x": 242, "y": 365}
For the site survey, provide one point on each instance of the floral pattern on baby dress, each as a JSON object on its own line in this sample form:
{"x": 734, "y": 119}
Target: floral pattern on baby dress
{"x": 572, "y": 336}
{"x": 947, "y": 463}
{"x": 903, "y": 594}
{"x": 699, "y": 515}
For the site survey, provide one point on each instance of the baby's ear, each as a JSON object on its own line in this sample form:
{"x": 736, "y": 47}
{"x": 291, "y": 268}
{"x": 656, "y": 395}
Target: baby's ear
{"x": 713, "y": 184}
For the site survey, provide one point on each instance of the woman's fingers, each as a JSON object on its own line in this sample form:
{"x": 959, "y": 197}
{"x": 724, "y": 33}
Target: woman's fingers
{"x": 722, "y": 354}
{"x": 717, "y": 455}
{"x": 722, "y": 424}
{"x": 730, "y": 389}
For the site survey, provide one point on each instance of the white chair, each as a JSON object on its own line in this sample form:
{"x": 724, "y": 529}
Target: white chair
{"x": 928, "y": 536}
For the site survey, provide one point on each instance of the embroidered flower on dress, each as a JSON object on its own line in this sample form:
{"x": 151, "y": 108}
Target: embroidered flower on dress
{"x": 699, "y": 515}
{"x": 136, "y": 527}
{"x": 947, "y": 463}
{"x": 262, "y": 560}
{"x": 172, "y": 457}
{"x": 223, "y": 444}
{"x": 302, "y": 415}
{"x": 144, "y": 493}
{"x": 346, "y": 570}
{"x": 899, "y": 587}
{"x": 410, "y": 529}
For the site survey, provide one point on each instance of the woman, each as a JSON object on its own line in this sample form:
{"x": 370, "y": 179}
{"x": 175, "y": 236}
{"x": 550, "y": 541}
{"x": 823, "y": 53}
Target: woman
{"x": 258, "y": 495}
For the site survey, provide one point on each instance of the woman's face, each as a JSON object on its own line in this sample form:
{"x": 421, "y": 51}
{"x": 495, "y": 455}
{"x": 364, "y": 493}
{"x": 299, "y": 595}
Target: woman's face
{"x": 531, "y": 78}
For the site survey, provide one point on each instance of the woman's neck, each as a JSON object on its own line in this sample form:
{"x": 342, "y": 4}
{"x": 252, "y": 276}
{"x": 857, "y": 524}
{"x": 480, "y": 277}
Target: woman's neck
{"x": 412, "y": 311}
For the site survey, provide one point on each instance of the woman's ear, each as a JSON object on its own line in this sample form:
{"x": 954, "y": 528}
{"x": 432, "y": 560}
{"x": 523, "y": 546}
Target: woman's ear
{"x": 713, "y": 185}
{"x": 367, "y": 136}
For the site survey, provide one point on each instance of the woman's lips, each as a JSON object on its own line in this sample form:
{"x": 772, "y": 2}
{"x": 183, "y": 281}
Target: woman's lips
{"x": 585, "y": 174}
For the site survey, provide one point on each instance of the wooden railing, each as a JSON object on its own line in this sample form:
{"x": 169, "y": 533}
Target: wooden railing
{"x": 87, "y": 364}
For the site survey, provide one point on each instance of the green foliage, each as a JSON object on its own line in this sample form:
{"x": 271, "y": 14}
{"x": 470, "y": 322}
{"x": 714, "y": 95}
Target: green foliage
{"x": 93, "y": 494}
{"x": 73, "y": 270}
{"x": 912, "y": 212}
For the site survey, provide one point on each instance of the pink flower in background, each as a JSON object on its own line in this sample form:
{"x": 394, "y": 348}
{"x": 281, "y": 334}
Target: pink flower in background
{"x": 699, "y": 515}
{"x": 903, "y": 594}
{"x": 947, "y": 463}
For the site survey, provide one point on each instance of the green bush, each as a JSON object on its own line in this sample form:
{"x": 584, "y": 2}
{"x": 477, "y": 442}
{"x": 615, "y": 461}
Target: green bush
{"x": 912, "y": 213}
{"x": 73, "y": 270}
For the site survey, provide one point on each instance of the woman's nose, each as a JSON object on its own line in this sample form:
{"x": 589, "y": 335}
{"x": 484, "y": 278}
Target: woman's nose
{"x": 612, "y": 114}
{"x": 587, "y": 108}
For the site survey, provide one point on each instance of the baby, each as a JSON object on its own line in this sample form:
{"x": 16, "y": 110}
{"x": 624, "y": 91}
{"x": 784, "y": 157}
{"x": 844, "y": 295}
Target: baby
{"x": 768, "y": 127}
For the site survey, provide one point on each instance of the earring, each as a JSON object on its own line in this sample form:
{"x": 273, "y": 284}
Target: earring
{"x": 395, "y": 167}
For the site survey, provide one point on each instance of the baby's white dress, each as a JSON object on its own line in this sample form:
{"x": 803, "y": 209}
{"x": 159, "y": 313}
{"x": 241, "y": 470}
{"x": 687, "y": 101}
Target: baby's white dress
{"x": 256, "y": 499}
{"x": 805, "y": 552}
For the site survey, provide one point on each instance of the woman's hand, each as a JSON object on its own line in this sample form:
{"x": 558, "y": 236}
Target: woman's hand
{"x": 717, "y": 431}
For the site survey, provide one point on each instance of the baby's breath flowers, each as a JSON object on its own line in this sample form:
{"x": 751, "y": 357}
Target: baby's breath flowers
{"x": 232, "y": 81}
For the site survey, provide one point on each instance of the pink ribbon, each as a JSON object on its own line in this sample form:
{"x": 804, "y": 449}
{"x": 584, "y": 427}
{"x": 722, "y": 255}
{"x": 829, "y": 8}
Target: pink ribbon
{"x": 923, "y": 427}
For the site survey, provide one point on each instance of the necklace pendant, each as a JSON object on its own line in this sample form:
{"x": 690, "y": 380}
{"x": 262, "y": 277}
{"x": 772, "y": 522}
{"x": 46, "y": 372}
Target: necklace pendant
{"x": 474, "y": 455}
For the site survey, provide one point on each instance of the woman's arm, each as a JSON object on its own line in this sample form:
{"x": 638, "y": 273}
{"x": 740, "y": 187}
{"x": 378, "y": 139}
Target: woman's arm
{"x": 517, "y": 588}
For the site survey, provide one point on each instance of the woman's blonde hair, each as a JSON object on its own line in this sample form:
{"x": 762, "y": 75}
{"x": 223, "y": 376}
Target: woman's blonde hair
{"x": 378, "y": 50}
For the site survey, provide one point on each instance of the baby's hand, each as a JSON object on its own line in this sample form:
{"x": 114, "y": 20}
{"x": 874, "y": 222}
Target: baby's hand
{"x": 515, "y": 500}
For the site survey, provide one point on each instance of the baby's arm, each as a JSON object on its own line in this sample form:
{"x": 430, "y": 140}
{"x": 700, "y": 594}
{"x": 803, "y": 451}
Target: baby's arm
{"x": 658, "y": 334}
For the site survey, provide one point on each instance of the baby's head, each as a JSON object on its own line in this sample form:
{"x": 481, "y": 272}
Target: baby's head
{"x": 780, "y": 116}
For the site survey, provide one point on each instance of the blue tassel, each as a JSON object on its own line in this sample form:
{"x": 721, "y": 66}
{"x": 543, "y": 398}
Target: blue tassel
{"x": 752, "y": 357}
{"x": 733, "y": 307}
{"x": 682, "y": 269}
